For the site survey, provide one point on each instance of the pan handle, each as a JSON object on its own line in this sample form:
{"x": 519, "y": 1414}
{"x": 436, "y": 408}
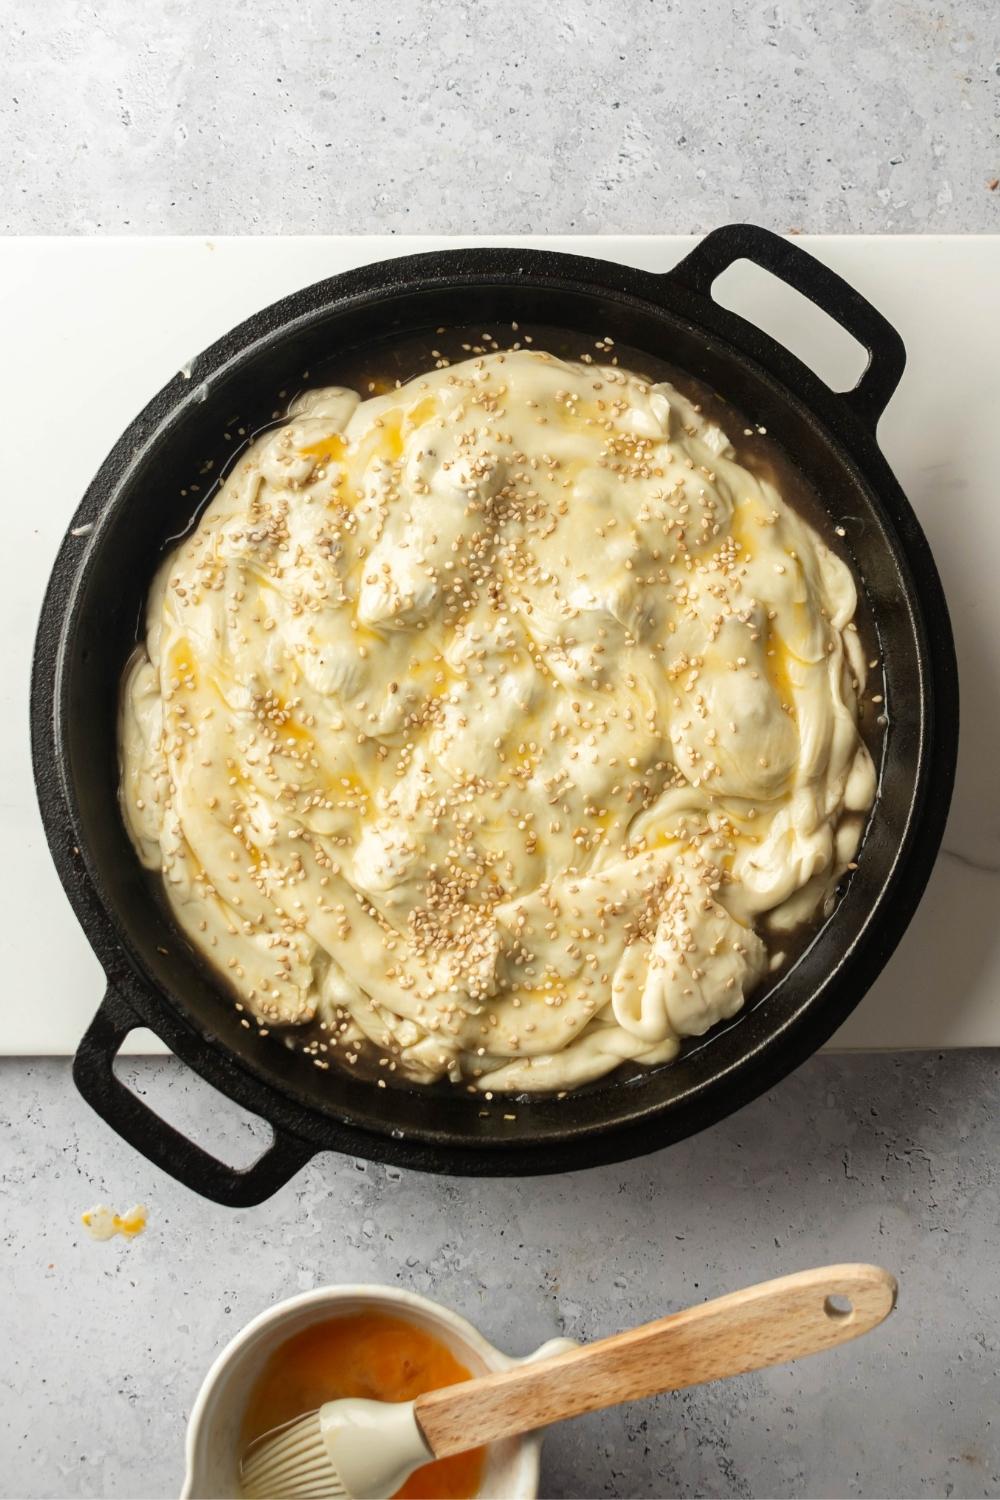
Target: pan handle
{"x": 172, "y": 1152}
{"x": 802, "y": 271}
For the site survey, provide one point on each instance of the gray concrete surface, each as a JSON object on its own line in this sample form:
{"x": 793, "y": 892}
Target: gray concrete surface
{"x": 893, "y": 1159}
{"x": 239, "y": 117}
{"x": 186, "y": 116}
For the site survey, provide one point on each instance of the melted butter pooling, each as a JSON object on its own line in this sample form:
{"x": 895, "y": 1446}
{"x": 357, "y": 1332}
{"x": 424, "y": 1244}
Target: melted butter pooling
{"x": 485, "y": 719}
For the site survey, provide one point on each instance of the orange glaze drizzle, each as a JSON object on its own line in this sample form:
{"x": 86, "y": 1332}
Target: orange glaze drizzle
{"x": 327, "y": 450}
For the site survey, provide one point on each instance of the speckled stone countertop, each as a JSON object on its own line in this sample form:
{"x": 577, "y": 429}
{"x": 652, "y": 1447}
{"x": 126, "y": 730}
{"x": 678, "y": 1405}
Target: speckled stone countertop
{"x": 173, "y": 117}
{"x": 891, "y": 1159}
{"x": 177, "y": 116}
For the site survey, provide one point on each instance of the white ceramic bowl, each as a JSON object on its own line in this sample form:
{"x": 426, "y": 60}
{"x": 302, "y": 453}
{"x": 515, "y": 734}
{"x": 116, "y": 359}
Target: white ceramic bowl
{"x": 213, "y": 1437}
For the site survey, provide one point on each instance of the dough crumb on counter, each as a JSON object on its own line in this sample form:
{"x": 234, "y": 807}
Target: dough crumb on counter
{"x": 102, "y": 1223}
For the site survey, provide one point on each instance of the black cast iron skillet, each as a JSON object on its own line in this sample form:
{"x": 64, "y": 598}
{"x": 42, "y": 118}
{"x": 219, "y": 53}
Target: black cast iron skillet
{"x": 88, "y": 628}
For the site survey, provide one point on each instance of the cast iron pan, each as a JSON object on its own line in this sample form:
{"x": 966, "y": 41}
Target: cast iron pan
{"x": 88, "y": 628}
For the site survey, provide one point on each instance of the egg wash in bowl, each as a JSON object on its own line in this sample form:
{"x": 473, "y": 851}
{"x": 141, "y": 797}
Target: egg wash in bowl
{"x": 499, "y": 728}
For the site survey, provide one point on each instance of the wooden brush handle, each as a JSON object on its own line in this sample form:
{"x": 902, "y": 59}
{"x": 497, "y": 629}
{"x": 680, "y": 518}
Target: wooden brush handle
{"x": 763, "y": 1325}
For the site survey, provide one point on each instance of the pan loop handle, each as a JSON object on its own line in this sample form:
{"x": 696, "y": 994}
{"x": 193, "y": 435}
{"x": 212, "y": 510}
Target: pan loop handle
{"x": 162, "y": 1144}
{"x": 804, "y": 273}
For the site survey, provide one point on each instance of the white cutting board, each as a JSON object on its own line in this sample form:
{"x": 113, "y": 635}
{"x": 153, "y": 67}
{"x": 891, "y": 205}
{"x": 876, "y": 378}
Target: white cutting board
{"x": 91, "y": 328}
